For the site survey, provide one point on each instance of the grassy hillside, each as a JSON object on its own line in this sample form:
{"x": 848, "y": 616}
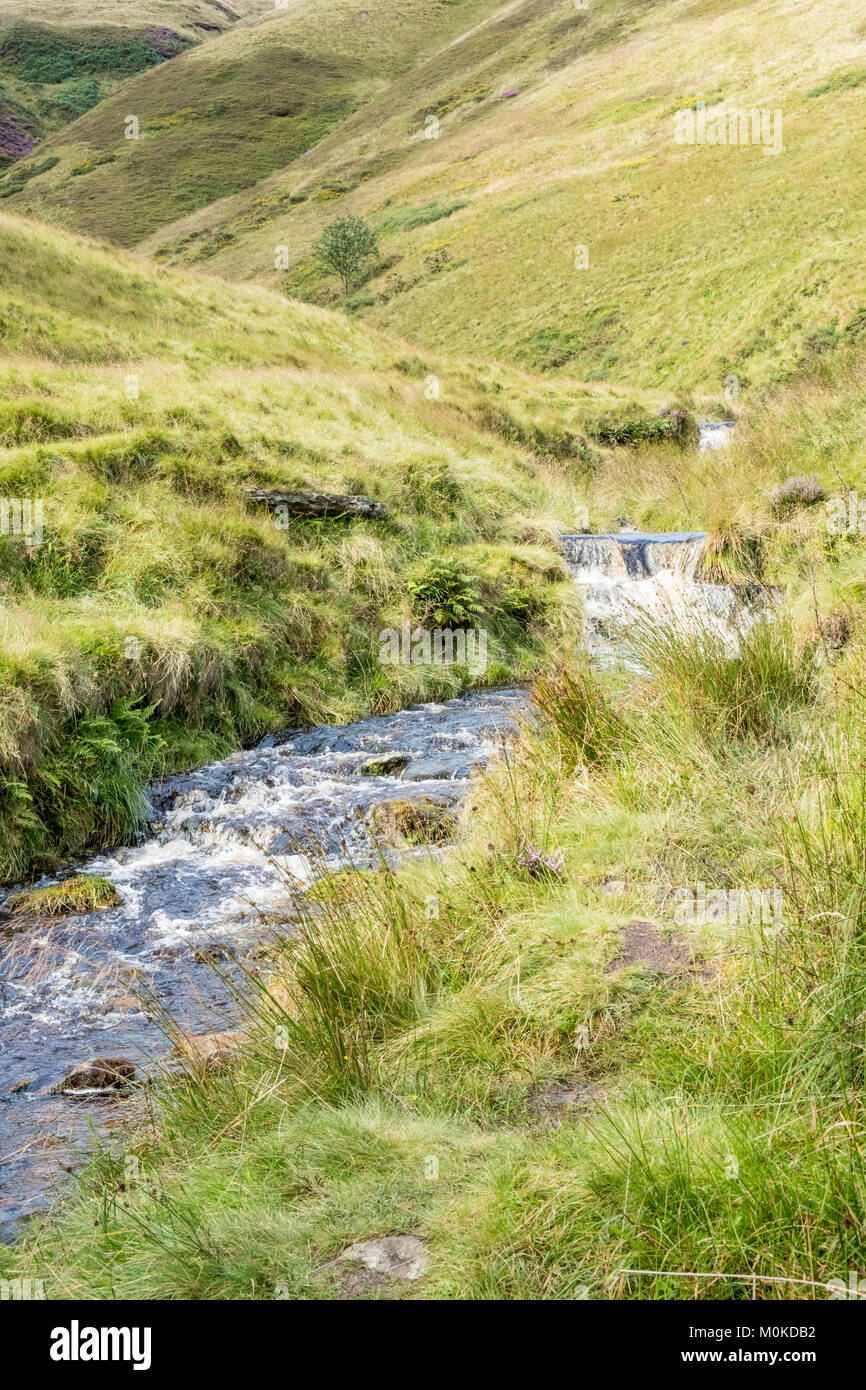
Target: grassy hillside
{"x": 59, "y": 64}
{"x": 195, "y": 19}
{"x": 703, "y": 261}
{"x": 561, "y": 1078}
{"x": 230, "y": 112}
{"x": 162, "y": 619}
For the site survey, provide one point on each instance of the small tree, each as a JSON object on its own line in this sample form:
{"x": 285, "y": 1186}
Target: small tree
{"x": 344, "y": 245}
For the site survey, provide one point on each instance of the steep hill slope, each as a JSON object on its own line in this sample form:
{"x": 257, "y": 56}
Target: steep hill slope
{"x": 702, "y": 261}
{"x": 57, "y": 64}
{"x": 230, "y": 112}
{"x": 195, "y": 19}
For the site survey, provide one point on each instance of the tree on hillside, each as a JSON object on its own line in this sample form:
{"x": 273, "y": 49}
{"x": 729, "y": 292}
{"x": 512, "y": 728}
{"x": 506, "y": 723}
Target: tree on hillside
{"x": 343, "y": 247}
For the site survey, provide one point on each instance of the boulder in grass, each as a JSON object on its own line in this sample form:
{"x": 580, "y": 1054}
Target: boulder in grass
{"x": 99, "y": 1074}
{"x": 318, "y": 504}
{"x": 373, "y": 1266}
{"x": 209, "y": 1051}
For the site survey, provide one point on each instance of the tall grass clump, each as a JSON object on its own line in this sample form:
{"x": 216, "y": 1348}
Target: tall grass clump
{"x": 723, "y": 688}
{"x": 360, "y": 965}
{"x": 587, "y": 727}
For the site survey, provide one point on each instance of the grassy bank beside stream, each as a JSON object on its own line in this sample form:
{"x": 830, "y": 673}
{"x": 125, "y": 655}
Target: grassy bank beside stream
{"x": 159, "y": 619}
{"x": 538, "y": 1054}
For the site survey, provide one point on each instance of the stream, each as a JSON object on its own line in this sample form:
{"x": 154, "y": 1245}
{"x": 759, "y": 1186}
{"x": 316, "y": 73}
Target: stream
{"x": 228, "y": 849}
{"x": 224, "y": 857}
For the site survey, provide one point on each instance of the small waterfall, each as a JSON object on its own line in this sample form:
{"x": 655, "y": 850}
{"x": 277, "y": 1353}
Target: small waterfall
{"x": 632, "y": 555}
{"x": 715, "y": 434}
{"x": 636, "y": 577}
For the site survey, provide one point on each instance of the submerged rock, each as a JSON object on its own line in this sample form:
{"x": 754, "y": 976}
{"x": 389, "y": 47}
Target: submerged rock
{"x": 389, "y": 765}
{"x": 23, "y": 1085}
{"x": 100, "y": 1074}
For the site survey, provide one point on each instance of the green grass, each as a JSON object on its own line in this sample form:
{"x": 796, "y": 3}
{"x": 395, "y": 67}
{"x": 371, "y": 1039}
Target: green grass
{"x": 227, "y": 113}
{"x": 80, "y": 895}
{"x": 693, "y": 273}
{"x": 842, "y": 82}
{"x": 718, "y": 1138}
{"x": 435, "y": 1010}
{"x": 161, "y": 619}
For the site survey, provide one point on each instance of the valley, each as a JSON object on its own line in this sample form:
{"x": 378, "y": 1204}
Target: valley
{"x": 432, "y": 437}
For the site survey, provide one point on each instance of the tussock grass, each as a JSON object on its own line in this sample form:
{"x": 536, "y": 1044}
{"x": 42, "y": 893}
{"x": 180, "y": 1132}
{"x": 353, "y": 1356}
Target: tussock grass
{"x": 724, "y": 693}
{"x": 80, "y": 895}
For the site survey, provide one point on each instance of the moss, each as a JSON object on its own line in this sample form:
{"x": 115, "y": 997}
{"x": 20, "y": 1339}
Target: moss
{"x": 413, "y": 822}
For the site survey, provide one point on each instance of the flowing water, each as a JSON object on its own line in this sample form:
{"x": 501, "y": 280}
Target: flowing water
{"x": 715, "y": 434}
{"x": 231, "y": 847}
{"x": 632, "y": 577}
{"x": 224, "y": 855}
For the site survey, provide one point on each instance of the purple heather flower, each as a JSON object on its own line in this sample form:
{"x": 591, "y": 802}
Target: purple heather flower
{"x": 538, "y": 865}
{"x": 802, "y": 490}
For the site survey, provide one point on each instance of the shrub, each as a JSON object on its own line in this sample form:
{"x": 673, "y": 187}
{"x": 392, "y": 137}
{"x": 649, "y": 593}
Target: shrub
{"x": 671, "y": 423}
{"x": 803, "y": 490}
{"x": 75, "y": 97}
{"x": 444, "y": 594}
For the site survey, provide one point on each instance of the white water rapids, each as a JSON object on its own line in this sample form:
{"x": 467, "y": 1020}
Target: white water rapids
{"x": 632, "y": 578}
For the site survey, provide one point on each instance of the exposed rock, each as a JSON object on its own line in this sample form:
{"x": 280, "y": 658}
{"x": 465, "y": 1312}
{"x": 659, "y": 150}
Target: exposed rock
{"x": 308, "y": 504}
{"x": 644, "y": 944}
{"x": 23, "y": 1085}
{"x": 389, "y": 765}
{"x": 554, "y": 1102}
{"x": 100, "y": 1074}
{"x": 382, "y": 1260}
{"x": 209, "y": 1051}
{"x": 425, "y": 821}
